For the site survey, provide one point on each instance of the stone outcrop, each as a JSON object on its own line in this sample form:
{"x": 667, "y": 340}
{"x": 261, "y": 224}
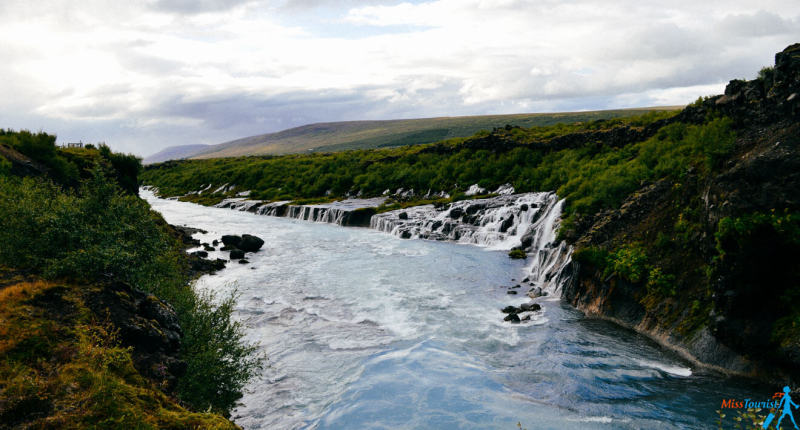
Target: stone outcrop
{"x": 146, "y": 324}
{"x": 725, "y": 313}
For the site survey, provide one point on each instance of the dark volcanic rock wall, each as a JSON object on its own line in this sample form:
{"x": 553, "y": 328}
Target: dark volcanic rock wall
{"x": 727, "y": 309}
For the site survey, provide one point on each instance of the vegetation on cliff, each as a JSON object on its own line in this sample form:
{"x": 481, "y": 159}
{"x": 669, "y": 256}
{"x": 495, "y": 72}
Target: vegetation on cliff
{"x": 62, "y": 365}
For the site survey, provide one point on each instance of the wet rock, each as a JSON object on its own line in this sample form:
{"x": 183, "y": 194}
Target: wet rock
{"x": 511, "y": 292}
{"x": 231, "y": 240}
{"x": 510, "y": 310}
{"x": 513, "y": 318}
{"x": 405, "y": 234}
{"x": 237, "y": 254}
{"x": 456, "y": 213}
{"x": 507, "y": 223}
{"x": 215, "y": 242}
{"x": 250, "y": 243}
{"x": 535, "y": 292}
{"x": 526, "y": 318}
{"x": 202, "y": 254}
{"x": 524, "y": 207}
{"x": 243, "y": 261}
{"x": 530, "y": 307}
{"x": 403, "y": 215}
{"x": 209, "y": 248}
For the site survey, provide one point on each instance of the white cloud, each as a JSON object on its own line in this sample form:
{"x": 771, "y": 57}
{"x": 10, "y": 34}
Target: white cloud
{"x": 144, "y": 75}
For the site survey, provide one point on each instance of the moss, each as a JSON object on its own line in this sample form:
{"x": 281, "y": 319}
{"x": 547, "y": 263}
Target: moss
{"x": 76, "y": 377}
{"x": 517, "y": 254}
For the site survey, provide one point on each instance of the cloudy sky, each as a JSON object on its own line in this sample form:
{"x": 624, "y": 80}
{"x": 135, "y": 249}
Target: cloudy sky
{"x": 144, "y": 75}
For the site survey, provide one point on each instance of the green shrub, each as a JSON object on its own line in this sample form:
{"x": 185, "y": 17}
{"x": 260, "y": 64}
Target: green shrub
{"x": 659, "y": 283}
{"x": 517, "y": 254}
{"x": 629, "y": 262}
{"x": 99, "y": 230}
{"x": 597, "y": 257}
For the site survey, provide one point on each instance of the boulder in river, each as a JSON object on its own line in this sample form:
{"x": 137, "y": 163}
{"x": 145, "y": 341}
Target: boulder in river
{"x": 514, "y": 318}
{"x": 250, "y": 243}
{"x": 510, "y": 310}
{"x": 231, "y": 240}
{"x": 535, "y": 292}
{"x": 237, "y": 254}
{"x": 530, "y": 307}
{"x": 243, "y": 261}
{"x": 201, "y": 254}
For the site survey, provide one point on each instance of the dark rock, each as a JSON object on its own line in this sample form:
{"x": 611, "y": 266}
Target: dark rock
{"x": 456, "y": 213}
{"x": 403, "y": 215}
{"x": 228, "y": 248}
{"x": 406, "y": 234}
{"x": 507, "y": 223}
{"x": 243, "y": 261}
{"x": 202, "y": 254}
{"x": 237, "y": 254}
{"x": 209, "y": 249}
{"x": 146, "y": 324}
{"x": 511, "y": 292}
{"x": 184, "y": 234}
{"x": 250, "y": 243}
{"x": 215, "y": 242}
{"x": 514, "y": 318}
{"x": 530, "y": 307}
{"x": 510, "y": 310}
{"x": 231, "y": 240}
{"x": 524, "y": 207}
{"x": 526, "y": 318}
{"x": 199, "y": 266}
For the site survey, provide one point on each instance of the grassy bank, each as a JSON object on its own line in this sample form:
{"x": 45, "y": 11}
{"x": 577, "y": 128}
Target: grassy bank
{"x": 72, "y": 236}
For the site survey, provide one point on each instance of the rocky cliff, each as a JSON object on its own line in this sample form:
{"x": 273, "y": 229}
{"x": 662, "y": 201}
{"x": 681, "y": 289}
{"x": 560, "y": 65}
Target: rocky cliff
{"x": 707, "y": 263}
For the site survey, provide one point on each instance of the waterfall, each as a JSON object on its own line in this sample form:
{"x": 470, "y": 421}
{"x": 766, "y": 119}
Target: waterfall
{"x": 341, "y": 213}
{"x": 528, "y": 221}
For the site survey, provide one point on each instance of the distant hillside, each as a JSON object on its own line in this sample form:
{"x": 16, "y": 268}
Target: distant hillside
{"x": 342, "y": 136}
{"x": 175, "y": 153}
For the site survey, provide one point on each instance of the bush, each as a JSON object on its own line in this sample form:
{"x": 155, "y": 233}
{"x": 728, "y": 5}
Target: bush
{"x": 99, "y": 230}
{"x": 659, "y": 283}
{"x": 629, "y": 263}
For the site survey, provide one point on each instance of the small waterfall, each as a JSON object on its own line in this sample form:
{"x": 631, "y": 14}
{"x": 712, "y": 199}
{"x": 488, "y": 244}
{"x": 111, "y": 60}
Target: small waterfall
{"x": 340, "y": 213}
{"x": 528, "y": 221}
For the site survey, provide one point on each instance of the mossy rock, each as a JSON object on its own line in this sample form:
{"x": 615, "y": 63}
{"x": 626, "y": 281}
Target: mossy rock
{"x": 517, "y": 254}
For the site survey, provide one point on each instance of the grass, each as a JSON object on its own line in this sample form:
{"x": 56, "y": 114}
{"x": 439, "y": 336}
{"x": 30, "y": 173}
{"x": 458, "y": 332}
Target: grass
{"x": 61, "y": 367}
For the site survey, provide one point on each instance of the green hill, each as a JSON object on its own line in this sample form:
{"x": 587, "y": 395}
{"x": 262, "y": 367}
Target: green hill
{"x": 342, "y": 136}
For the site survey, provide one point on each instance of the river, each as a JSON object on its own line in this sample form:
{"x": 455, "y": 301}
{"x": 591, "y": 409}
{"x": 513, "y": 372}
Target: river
{"x": 366, "y": 330}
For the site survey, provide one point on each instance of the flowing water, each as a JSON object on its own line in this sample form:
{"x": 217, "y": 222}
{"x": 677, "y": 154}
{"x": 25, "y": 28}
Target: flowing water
{"x": 367, "y": 330}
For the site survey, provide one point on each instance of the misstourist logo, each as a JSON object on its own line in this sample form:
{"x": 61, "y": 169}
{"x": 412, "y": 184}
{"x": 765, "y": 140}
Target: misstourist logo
{"x": 780, "y": 403}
